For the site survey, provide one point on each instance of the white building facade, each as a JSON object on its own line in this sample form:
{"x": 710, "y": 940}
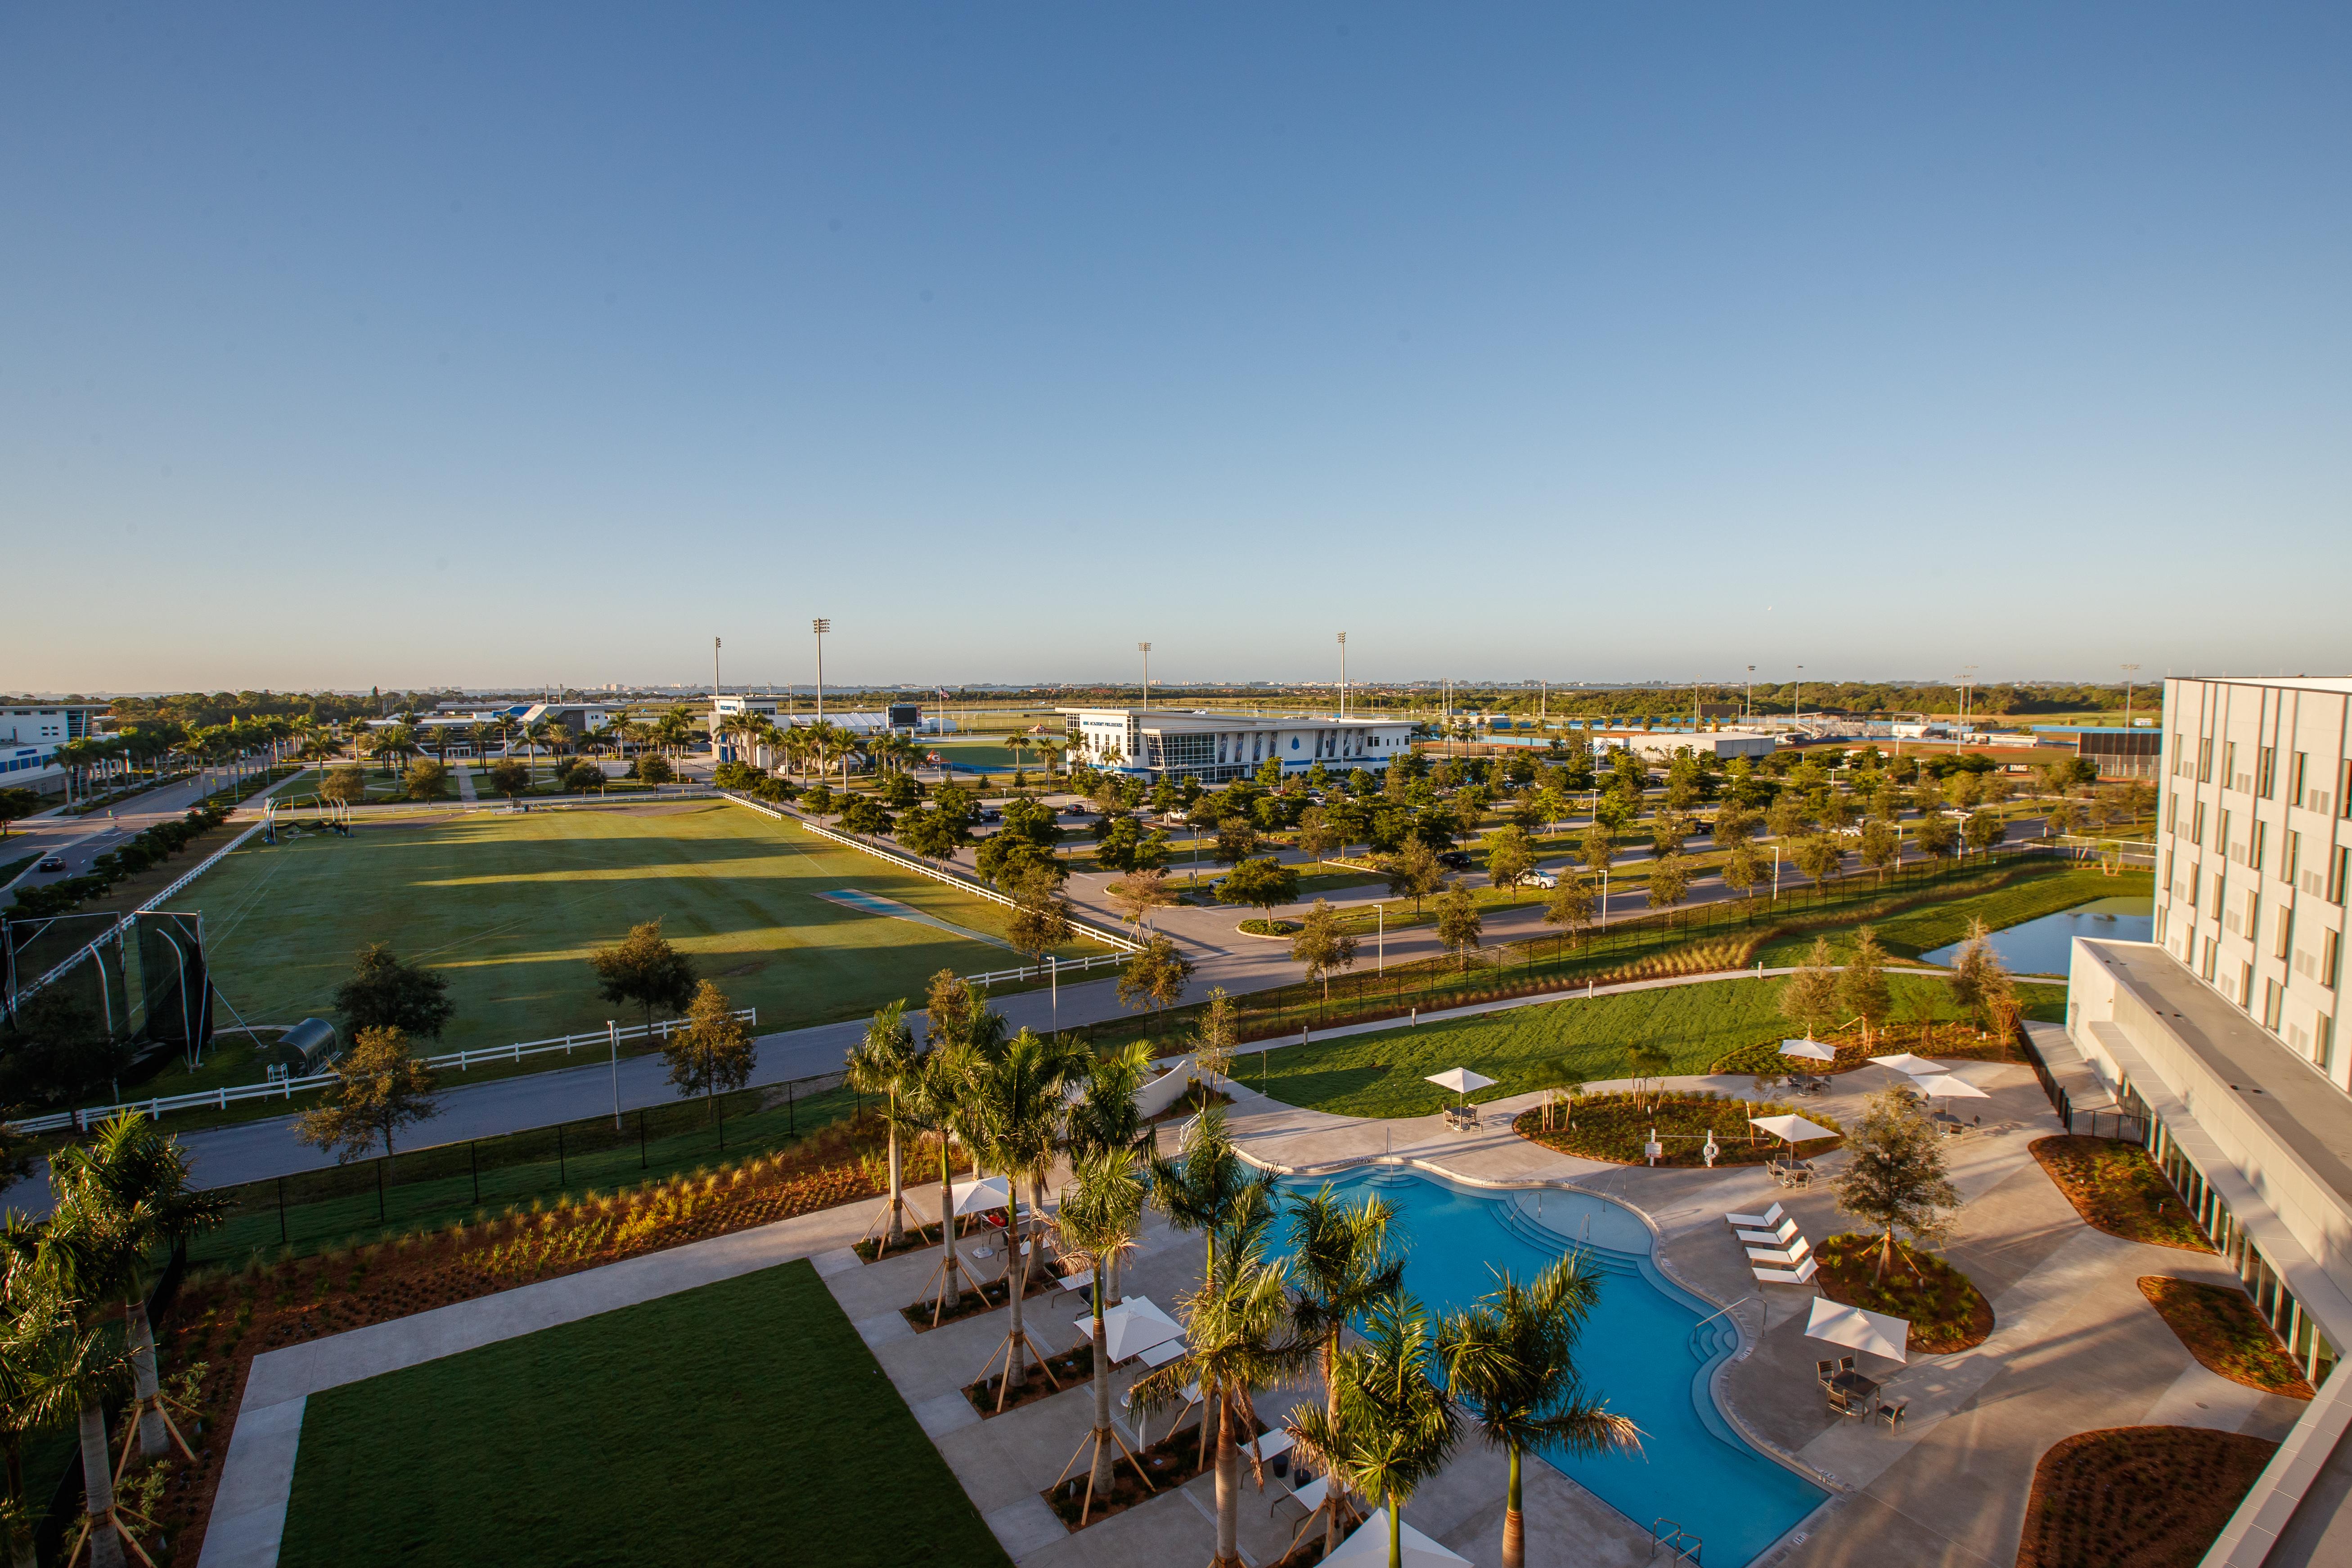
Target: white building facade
{"x": 1166, "y": 743}
{"x": 2221, "y": 1039}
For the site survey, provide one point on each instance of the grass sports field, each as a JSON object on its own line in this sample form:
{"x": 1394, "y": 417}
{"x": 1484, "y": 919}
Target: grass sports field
{"x": 1382, "y": 1074}
{"x": 507, "y": 907}
{"x": 712, "y": 1427}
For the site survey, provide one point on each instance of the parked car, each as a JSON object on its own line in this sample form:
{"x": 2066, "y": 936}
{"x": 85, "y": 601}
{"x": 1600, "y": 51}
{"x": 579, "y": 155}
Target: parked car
{"x": 1544, "y": 879}
{"x": 1455, "y": 860}
{"x": 50, "y": 863}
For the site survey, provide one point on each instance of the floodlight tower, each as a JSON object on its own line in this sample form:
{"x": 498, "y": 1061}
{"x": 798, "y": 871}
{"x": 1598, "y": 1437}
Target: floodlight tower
{"x": 2129, "y": 671}
{"x": 1145, "y": 649}
{"x": 820, "y": 625}
{"x": 1751, "y": 695}
{"x": 1343, "y": 675}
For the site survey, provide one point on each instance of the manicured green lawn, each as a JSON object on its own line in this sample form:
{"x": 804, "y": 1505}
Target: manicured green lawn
{"x": 508, "y": 908}
{"x": 741, "y": 1422}
{"x": 1381, "y": 1074}
{"x": 1923, "y": 930}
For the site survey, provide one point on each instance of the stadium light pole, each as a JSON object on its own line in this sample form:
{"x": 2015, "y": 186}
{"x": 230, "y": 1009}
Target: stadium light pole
{"x": 820, "y": 626}
{"x": 2129, "y": 671}
{"x": 1145, "y": 649}
{"x": 1751, "y": 694}
{"x": 1343, "y": 676}
{"x": 715, "y": 687}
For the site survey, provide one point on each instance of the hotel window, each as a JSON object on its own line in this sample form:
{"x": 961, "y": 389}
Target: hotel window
{"x": 2297, "y": 766}
{"x": 2338, "y": 875}
{"x": 2222, "y": 834}
{"x": 2261, "y": 841}
{"x": 2273, "y": 995}
{"x": 2172, "y": 814}
{"x": 2245, "y": 997}
{"x": 2285, "y": 931}
{"x": 2206, "y": 969}
{"x": 2265, "y": 770}
{"x": 2331, "y": 957}
{"x": 2290, "y": 852}
{"x": 2229, "y": 764}
{"x": 2204, "y": 759}
{"x": 2196, "y": 824}
{"x": 2322, "y": 1036}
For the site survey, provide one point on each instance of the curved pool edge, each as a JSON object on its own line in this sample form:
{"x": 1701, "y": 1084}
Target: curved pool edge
{"x": 1833, "y": 1489}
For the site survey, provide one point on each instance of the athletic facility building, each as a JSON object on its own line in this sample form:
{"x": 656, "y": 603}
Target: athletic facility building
{"x": 2220, "y": 1040}
{"x": 1169, "y": 742}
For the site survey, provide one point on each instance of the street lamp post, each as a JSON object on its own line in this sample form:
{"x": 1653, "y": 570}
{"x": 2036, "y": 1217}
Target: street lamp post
{"x": 1145, "y": 649}
{"x": 613, "y": 1036}
{"x": 1797, "y": 722}
{"x": 2129, "y": 671}
{"x": 820, "y": 626}
{"x": 1380, "y": 939}
{"x": 1343, "y": 676}
{"x": 1751, "y": 694}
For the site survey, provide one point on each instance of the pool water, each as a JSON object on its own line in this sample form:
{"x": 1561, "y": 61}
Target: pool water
{"x": 1648, "y": 1350}
{"x": 2046, "y": 946}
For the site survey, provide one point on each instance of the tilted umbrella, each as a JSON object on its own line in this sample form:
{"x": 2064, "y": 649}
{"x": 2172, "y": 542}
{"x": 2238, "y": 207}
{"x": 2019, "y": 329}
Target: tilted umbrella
{"x": 1134, "y": 1326}
{"x": 1945, "y": 1085}
{"x": 1873, "y": 1333}
{"x": 1461, "y": 1080}
{"x": 1917, "y": 1066}
{"x": 1369, "y": 1547}
{"x": 1810, "y": 1049}
{"x": 1795, "y": 1129}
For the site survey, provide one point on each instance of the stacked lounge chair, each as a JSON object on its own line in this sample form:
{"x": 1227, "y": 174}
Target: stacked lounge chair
{"x": 1777, "y": 1253}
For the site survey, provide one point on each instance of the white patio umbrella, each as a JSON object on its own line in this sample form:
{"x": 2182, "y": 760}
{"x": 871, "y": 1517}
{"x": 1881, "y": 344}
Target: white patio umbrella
{"x": 1369, "y": 1547}
{"x": 1795, "y": 1129}
{"x": 1945, "y": 1085}
{"x": 1917, "y": 1066}
{"x": 1461, "y": 1080}
{"x": 1812, "y": 1050}
{"x": 977, "y": 1197}
{"x": 1135, "y": 1325}
{"x": 1873, "y": 1333}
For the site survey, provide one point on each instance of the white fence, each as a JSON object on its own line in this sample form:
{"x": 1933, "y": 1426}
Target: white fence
{"x": 220, "y": 1099}
{"x": 1110, "y": 939}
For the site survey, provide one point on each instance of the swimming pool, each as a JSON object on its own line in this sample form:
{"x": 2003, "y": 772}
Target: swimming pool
{"x": 2046, "y": 945}
{"x": 1648, "y": 1347}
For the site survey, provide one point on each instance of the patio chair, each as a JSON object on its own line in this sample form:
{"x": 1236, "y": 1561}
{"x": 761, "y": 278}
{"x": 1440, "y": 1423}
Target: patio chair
{"x": 1779, "y": 1237}
{"x": 1764, "y": 1221}
{"x": 1789, "y": 1256}
{"x": 1893, "y": 1415}
{"x": 1823, "y": 1370}
{"x": 1803, "y": 1274}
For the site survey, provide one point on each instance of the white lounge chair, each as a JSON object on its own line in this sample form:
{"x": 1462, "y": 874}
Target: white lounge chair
{"x": 1779, "y": 1237}
{"x": 1791, "y": 1255}
{"x": 1802, "y": 1274}
{"x": 1764, "y": 1221}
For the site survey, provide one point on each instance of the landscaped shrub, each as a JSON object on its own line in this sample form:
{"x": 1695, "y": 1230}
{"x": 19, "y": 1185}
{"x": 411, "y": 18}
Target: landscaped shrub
{"x": 2136, "y": 1497}
{"x": 1613, "y": 1127}
{"x": 2220, "y": 1327}
{"x": 2117, "y": 1188}
{"x": 1945, "y": 1308}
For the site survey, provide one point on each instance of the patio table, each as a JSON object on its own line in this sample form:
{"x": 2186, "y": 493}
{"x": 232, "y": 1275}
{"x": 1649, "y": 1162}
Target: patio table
{"x": 1857, "y": 1389}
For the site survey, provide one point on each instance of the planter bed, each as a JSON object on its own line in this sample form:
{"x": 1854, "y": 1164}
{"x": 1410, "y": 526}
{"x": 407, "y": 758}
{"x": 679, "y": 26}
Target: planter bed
{"x": 1613, "y": 1127}
{"x": 1170, "y": 1462}
{"x": 1945, "y": 1041}
{"x": 2150, "y": 1496}
{"x": 971, "y": 1303}
{"x": 1073, "y": 1368}
{"x": 1945, "y": 1308}
{"x": 2219, "y": 1325}
{"x": 2116, "y": 1188}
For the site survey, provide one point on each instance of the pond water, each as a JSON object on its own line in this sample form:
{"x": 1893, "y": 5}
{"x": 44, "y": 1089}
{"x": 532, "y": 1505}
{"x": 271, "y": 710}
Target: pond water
{"x": 2046, "y": 946}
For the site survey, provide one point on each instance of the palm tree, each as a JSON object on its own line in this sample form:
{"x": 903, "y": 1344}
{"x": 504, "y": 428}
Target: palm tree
{"x": 1237, "y": 1341}
{"x": 1102, "y": 1209}
{"x": 1511, "y": 1359}
{"x": 885, "y": 1063}
{"x": 1019, "y": 746}
{"x": 1015, "y": 1107}
{"x": 1103, "y": 1117}
{"x": 1341, "y": 1267}
{"x": 932, "y": 1101}
{"x": 46, "y": 1359}
{"x": 133, "y": 1179}
{"x": 1206, "y": 1187}
{"x": 74, "y": 1254}
{"x": 1394, "y": 1426}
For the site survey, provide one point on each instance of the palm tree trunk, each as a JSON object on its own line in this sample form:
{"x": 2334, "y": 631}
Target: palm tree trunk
{"x": 1335, "y": 1491}
{"x": 1396, "y": 1534}
{"x": 1016, "y": 1275}
{"x": 97, "y": 1490}
{"x": 1515, "y": 1526}
{"x": 1105, "y": 1464}
{"x": 153, "y": 1441}
{"x": 949, "y": 1290}
{"x": 1229, "y": 1485}
{"x": 897, "y": 1236}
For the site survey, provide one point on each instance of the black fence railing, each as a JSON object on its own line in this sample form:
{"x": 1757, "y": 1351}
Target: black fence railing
{"x": 434, "y": 1186}
{"x": 2126, "y": 1125}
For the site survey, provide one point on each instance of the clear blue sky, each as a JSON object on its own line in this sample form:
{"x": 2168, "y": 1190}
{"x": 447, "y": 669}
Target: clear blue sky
{"x": 410, "y": 345}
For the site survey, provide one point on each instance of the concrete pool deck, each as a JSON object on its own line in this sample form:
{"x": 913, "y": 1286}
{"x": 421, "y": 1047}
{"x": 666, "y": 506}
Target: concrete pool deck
{"x": 2074, "y": 1347}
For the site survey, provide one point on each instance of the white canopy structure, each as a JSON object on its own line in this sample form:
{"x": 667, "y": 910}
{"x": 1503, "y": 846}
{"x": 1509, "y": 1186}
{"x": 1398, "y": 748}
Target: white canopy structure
{"x": 1369, "y": 1547}
{"x": 1873, "y": 1333}
{"x": 1135, "y": 1325}
{"x": 1812, "y": 1050}
{"x": 1945, "y": 1084}
{"x": 1795, "y": 1129}
{"x": 977, "y": 1197}
{"x": 1461, "y": 1080}
{"x": 1917, "y": 1066}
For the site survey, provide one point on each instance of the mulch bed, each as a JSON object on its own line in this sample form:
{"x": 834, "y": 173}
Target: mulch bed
{"x": 971, "y": 1303}
{"x": 224, "y": 1320}
{"x": 2136, "y": 1497}
{"x": 1071, "y": 1367}
{"x": 2221, "y": 1327}
{"x": 1945, "y": 1308}
{"x": 1938, "y": 1041}
{"x": 1613, "y": 1127}
{"x": 1170, "y": 1462}
{"x": 2117, "y": 1188}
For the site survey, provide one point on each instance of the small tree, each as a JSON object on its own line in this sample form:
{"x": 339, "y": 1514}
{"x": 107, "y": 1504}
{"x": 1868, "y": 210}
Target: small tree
{"x": 1936, "y": 834}
{"x": 1600, "y": 848}
{"x": 1322, "y": 946}
{"x": 1862, "y": 989}
{"x": 383, "y": 993}
{"x": 1317, "y": 836}
{"x": 511, "y": 778}
{"x": 15, "y": 804}
{"x": 713, "y": 1054}
{"x": 1154, "y": 977}
{"x": 380, "y": 1088}
{"x": 1220, "y": 1030}
{"x": 345, "y": 786}
{"x": 1894, "y": 1177}
{"x": 1139, "y": 894}
{"x": 1811, "y": 997}
{"x": 645, "y": 970}
{"x": 1458, "y": 925}
{"x": 1670, "y": 879}
{"x": 1237, "y": 841}
{"x": 1414, "y": 873}
{"x": 1985, "y": 830}
{"x": 1818, "y": 856}
{"x": 1743, "y": 868}
{"x": 1980, "y": 982}
{"x": 1569, "y": 907}
{"x": 1259, "y": 884}
{"x": 1880, "y": 847}
{"x": 1643, "y": 1065}
{"x": 428, "y": 780}
{"x": 1040, "y": 920}
{"x": 654, "y": 770}
{"x": 1510, "y": 858}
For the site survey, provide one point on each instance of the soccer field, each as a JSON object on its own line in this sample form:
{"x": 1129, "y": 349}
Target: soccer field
{"x": 507, "y": 907}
